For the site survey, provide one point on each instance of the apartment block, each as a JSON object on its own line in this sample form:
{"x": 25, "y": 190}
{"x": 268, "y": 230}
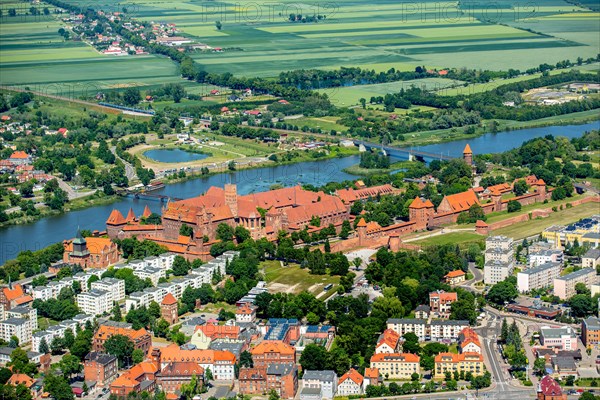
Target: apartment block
{"x": 436, "y": 330}
{"x": 116, "y": 288}
{"x": 544, "y": 256}
{"x": 450, "y": 362}
{"x": 440, "y": 302}
{"x": 95, "y": 302}
{"x": 591, "y": 259}
{"x": 19, "y": 327}
{"x": 564, "y": 286}
{"x": 396, "y": 365}
{"x": 590, "y": 331}
{"x": 538, "y": 277}
{"x": 24, "y": 312}
{"x": 325, "y": 381}
{"x": 101, "y": 368}
{"x": 499, "y": 259}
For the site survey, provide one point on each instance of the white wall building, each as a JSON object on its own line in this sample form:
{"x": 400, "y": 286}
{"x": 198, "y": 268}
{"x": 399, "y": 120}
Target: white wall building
{"x": 19, "y": 327}
{"x": 325, "y": 380}
{"x": 544, "y": 256}
{"x": 538, "y": 277}
{"x": 564, "y": 286}
{"x": 116, "y": 287}
{"x": 499, "y": 259}
{"x": 95, "y": 302}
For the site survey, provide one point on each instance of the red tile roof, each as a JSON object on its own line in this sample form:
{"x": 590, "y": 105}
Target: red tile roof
{"x": 462, "y": 201}
{"x": 353, "y": 375}
{"x": 443, "y": 296}
{"x": 146, "y": 212}
{"x": 273, "y": 346}
{"x": 480, "y": 224}
{"x": 372, "y": 373}
{"x": 455, "y": 274}
{"x": 169, "y": 300}
{"x": 467, "y": 149}
{"x": 115, "y": 218}
{"x": 395, "y": 357}
{"x": 14, "y": 293}
{"x": 19, "y": 154}
{"x": 361, "y": 223}
{"x": 549, "y": 387}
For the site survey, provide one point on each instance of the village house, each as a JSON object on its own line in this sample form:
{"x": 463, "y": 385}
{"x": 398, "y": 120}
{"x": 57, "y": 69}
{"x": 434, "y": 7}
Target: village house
{"x": 246, "y": 313}
{"x": 468, "y": 341}
{"x": 20, "y": 158}
{"x": 388, "y": 342}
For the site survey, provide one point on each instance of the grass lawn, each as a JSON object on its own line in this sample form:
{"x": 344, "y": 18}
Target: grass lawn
{"x": 533, "y": 227}
{"x": 44, "y": 323}
{"x": 293, "y": 279}
{"x": 460, "y": 238}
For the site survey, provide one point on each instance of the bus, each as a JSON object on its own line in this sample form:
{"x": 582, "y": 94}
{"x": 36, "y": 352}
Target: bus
{"x": 327, "y": 287}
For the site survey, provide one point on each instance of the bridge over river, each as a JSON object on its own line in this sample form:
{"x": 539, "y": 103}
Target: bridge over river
{"x": 398, "y": 152}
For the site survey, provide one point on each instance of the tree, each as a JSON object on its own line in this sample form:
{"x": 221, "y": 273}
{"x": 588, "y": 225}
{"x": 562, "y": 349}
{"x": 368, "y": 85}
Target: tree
{"x": 137, "y": 356}
{"x": 19, "y": 361}
{"x": 224, "y": 232}
{"x": 57, "y": 345}
{"x": 581, "y": 305}
{"x": 44, "y": 348}
{"x": 186, "y": 230}
{"x": 246, "y": 359}
{"x": 314, "y": 357}
{"x": 116, "y": 313}
{"x": 363, "y": 102}
{"x": 70, "y": 365}
{"x": 520, "y": 187}
{"x": 180, "y": 266}
{"x": 68, "y": 338}
{"x": 191, "y": 389}
{"x": 346, "y": 228}
{"x": 26, "y": 189}
{"x": 132, "y": 96}
{"x": 218, "y": 25}
{"x": 154, "y": 309}
{"x": 273, "y": 395}
{"x": 513, "y": 206}
{"x": 451, "y": 385}
{"x": 58, "y": 387}
{"x": 539, "y": 366}
{"x": 502, "y": 292}
{"x": 121, "y": 347}
{"x": 5, "y": 375}
{"x": 411, "y": 343}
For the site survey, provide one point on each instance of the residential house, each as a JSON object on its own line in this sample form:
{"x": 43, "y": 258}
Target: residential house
{"x": 388, "y": 342}
{"x": 18, "y": 327}
{"x": 205, "y": 334}
{"x": 549, "y": 389}
{"x": 116, "y": 288}
{"x": 13, "y": 296}
{"x": 95, "y": 302}
{"x": 324, "y": 381}
{"x": 564, "y": 286}
{"x": 468, "y": 341}
{"x": 591, "y": 259}
{"x": 246, "y": 313}
{"x": 283, "y": 378}
{"x": 351, "y": 383}
{"x": 440, "y": 302}
{"x": 422, "y": 311}
{"x": 371, "y": 377}
{"x": 539, "y": 277}
{"x": 455, "y": 277}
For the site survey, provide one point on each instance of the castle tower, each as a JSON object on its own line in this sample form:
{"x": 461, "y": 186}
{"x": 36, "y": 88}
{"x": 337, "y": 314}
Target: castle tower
{"x": 361, "y": 229}
{"x": 168, "y": 309}
{"x": 497, "y": 200}
{"x": 540, "y": 188}
{"x": 420, "y": 211}
{"x": 231, "y": 198}
{"x": 130, "y": 216}
{"x": 468, "y": 155}
{"x": 147, "y": 212}
{"x": 114, "y": 223}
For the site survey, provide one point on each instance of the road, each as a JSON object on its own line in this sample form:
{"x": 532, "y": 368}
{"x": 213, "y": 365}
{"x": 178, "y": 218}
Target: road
{"x": 129, "y": 170}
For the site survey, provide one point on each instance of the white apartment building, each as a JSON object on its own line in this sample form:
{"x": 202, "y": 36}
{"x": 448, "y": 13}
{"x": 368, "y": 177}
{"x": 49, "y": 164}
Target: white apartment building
{"x": 153, "y": 273}
{"x": 24, "y": 312}
{"x": 538, "y": 277}
{"x": 499, "y": 259}
{"x": 95, "y": 302}
{"x": 58, "y": 330}
{"x": 544, "y": 256}
{"x": 564, "y": 286}
{"x": 327, "y": 381}
{"x": 591, "y": 259}
{"x": 116, "y": 287}
{"x": 405, "y": 325}
{"x": 496, "y": 271}
{"x": 19, "y": 327}
{"x": 42, "y": 293}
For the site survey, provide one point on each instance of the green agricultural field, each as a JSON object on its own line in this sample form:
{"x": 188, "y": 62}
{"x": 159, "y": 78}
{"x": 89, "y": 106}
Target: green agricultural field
{"x": 350, "y": 95}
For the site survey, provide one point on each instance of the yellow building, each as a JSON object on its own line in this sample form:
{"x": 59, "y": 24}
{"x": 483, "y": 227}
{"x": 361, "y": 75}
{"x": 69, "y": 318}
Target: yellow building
{"x": 585, "y": 231}
{"x": 450, "y": 362}
{"x": 396, "y": 365}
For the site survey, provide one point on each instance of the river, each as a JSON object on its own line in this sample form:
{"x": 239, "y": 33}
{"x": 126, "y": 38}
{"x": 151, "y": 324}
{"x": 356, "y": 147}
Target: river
{"x": 44, "y": 232}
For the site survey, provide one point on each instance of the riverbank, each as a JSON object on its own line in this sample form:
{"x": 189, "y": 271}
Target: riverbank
{"x": 356, "y": 169}
{"x": 440, "y": 136}
{"x": 96, "y": 199}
